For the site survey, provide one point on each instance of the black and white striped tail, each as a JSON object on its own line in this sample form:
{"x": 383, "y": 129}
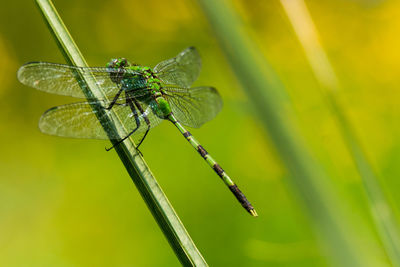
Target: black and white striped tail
{"x": 216, "y": 167}
{"x": 222, "y": 174}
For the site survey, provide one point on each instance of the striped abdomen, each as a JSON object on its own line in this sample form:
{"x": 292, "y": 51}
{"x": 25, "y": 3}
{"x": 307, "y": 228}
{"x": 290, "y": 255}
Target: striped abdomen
{"x": 216, "y": 167}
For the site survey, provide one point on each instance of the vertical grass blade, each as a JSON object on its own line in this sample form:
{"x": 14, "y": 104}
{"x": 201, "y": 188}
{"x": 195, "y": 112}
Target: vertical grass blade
{"x": 265, "y": 90}
{"x": 137, "y": 168}
{"x": 306, "y": 32}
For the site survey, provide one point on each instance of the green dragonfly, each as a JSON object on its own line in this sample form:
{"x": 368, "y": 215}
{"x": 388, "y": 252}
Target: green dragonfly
{"x": 141, "y": 96}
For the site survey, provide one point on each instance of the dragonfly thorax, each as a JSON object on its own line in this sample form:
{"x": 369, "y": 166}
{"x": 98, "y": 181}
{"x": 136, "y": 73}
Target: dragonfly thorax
{"x": 132, "y": 76}
{"x": 138, "y": 78}
{"x": 133, "y": 83}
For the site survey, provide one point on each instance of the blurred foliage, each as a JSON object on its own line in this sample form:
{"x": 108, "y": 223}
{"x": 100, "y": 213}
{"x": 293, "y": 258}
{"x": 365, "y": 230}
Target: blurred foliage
{"x": 66, "y": 202}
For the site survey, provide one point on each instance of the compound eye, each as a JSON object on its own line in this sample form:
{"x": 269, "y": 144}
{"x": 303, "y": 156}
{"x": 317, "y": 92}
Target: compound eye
{"x": 112, "y": 63}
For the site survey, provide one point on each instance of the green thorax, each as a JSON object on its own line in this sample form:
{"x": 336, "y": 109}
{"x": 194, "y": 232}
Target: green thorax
{"x": 134, "y": 77}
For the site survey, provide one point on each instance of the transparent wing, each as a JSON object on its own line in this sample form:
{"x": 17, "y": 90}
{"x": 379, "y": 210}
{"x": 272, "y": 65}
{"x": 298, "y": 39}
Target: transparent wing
{"x": 194, "y": 106}
{"x": 61, "y": 79}
{"x": 78, "y": 120}
{"x": 181, "y": 70}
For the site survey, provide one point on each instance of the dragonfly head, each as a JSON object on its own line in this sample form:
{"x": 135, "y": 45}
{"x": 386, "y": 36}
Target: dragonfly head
{"x": 116, "y": 67}
{"x": 118, "y": 63}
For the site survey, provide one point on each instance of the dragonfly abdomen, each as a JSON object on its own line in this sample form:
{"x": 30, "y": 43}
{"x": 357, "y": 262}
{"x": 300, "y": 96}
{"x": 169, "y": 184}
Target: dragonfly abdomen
{"x": 207, "y": 157}
{"x": 162, "y": 109}
{"x": 216, "y": 167}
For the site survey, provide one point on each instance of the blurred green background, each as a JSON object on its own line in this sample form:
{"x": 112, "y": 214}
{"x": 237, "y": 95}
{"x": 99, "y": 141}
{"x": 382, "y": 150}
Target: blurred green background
{"x": 67, "y": 202}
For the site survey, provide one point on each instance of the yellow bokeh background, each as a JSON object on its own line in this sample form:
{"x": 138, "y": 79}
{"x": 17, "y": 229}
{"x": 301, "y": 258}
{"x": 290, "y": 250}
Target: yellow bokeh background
{"x": 68, "y": 202}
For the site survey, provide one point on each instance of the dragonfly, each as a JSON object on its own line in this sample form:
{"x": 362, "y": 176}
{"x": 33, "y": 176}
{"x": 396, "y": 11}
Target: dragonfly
{"x": 142, "y": 97}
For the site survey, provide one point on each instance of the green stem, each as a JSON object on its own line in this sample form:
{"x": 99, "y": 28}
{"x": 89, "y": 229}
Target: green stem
{"x": 307, "y": 34}
{"x": 137, "y": 168}
{"x": 266, "y": 93}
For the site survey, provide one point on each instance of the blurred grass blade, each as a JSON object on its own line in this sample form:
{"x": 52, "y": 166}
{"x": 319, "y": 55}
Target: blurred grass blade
{"x": 140, "y": 173}
{"x": 265, "y": 91}
{"x": 306, "y": 32}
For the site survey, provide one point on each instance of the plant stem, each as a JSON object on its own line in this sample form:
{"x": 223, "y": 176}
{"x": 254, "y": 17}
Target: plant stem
{"x": 137, "y": 168}
{"x": 307, "y": 34}
{"x": 265, "y": 92}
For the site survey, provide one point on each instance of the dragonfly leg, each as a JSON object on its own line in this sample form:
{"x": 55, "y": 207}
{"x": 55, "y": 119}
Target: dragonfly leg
{"x": 114, "y": 99}
{"x": 135, "y": 106}
{"x": 144, "y": 136}
{"x": 131, "y": 105}
{"x": 122, "y": 140}
{"x": 146, "y": 119}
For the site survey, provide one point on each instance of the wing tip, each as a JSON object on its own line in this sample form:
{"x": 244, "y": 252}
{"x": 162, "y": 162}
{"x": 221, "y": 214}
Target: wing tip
{"x": 219, "y": 99}
{"x": 20, "y": 74}
{"x": 43, "y": 122}
{"x": 191, "y": 49}
{"x": 32, "y": 62}
{"x": 23, "y": 68}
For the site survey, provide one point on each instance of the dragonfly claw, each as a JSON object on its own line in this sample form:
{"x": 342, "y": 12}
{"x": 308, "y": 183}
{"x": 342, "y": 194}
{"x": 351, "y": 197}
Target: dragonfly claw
{"x": 140, "y": 152}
